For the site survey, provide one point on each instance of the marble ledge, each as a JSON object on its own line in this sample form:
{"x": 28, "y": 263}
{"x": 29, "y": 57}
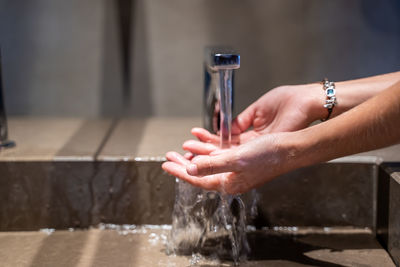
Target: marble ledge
{"x": 54, "y": 139}
{"x": 76, "y": 139}
{"x": 393, "y": 223}
{"x": 130, "y": 139}
{"x": 147, "y": 139}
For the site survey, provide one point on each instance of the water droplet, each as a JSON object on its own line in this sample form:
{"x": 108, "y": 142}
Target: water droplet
{"x": 47, "y": 231}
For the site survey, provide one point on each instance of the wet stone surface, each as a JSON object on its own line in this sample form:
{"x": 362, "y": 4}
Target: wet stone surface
{"x": 394, "y": 215}
{"x": 60, "y": 195}
{"x": 145, "y": 246}
{"x": 63, "y": 194}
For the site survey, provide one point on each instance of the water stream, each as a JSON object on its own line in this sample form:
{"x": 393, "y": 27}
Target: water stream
{"x": 209, "y": 223}
{"x": 205, "y": 222}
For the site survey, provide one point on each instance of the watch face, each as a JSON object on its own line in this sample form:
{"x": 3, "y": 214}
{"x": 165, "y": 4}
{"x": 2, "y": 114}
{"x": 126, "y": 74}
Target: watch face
{"x": 330, "y": 92}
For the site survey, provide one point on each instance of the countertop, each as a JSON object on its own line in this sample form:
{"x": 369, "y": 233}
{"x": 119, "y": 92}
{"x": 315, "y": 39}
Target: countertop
{"x": 77, "y": 139}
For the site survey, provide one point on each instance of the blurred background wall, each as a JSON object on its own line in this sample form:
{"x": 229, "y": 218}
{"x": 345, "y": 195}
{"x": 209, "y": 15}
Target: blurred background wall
{"x": 97, "y": 58}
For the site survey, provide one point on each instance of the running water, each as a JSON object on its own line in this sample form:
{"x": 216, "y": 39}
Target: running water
{"x": 205, "y": 222}
{"x": 209, "y": 223}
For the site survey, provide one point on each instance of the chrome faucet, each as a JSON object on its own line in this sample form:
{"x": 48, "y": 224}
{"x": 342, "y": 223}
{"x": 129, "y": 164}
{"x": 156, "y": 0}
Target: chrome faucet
{"x": 4, "y": 142}
{"x": 218, "y": 91}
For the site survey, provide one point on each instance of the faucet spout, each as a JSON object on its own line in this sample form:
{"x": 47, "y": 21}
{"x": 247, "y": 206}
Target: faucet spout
{"x": 218, "y": 92}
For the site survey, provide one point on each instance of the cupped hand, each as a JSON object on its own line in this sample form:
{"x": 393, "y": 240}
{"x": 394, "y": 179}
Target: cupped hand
{"x": 283, "y": 109}
{"x": 235, "y": 170}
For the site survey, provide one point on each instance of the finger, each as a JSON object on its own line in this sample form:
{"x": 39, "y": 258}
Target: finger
{"x": 237, "y": 139}
{"x": 212, "y": 182}
{"x": 177, "y": 158}
{"x": 243, "y": 121}
{"x": 199, "y": 148}
{"x": 188, "y": 155}
{"x": 207, "y": 165}
{"x": 247, "y": 136}
{"x": 218, "y": 152}
{"x": 205, "y": 136}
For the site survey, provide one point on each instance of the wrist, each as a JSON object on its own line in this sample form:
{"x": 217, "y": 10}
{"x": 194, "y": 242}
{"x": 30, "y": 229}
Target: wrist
{"x": 315, "y": 98}
{"x": 318, "y": 100}
{"x": 309, "y": 146}
{"x": 296, "y": 148}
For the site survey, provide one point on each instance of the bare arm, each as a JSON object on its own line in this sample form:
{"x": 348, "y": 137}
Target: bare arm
{"x": 373, "y": 124}
{"x": 354, "y": 92}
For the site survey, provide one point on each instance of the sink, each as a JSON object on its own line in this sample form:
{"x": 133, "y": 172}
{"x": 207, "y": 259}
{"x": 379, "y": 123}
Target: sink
{"x": 114, "y": 208}
{"x": 323, "y": 215}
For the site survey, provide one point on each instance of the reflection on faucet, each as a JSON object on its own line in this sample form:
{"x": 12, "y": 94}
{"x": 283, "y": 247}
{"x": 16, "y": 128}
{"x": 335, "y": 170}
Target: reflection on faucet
{"x": 218, "y": 92}
{"x": 4, "y": 142}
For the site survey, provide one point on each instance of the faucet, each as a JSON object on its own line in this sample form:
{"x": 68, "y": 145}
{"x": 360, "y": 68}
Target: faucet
{"x": 218, "y": 91}
{"x": 4, "y": 142}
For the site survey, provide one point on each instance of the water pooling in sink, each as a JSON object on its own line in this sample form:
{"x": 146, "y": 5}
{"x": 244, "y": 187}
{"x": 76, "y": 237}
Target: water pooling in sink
{"x": 144, "y": 245}
{"x": 207, "y": 222}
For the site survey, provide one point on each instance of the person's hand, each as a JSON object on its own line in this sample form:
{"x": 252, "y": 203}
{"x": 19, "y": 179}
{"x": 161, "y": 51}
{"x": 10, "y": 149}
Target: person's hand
{"x": 238, "y": 169}
{"x": 283, "y": 109}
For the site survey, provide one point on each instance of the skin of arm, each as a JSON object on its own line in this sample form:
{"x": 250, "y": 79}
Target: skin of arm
{"x": 371, "y": 125}
{"x": 354, "y": 92}
{"x": 374, "y": 123}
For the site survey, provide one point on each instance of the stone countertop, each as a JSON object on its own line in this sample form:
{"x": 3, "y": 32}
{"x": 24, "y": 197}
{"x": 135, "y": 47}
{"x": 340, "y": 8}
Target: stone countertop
{"x": 151, "y": 138}
{"x": 75, "y": 139}
{"x": 388, "y": 154}
{"x": 394, "y": 171}
{"x": 147, "y": 139}
{"x": 54, "y": 139}
{"x": 391, "y": 223}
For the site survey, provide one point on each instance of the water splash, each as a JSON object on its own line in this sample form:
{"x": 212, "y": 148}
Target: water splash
{"x": 208, "y": 223}
{"x": 47, "y": 231}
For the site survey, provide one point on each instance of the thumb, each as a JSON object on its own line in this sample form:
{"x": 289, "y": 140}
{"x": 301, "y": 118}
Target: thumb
{"x": 207, "y": 165}
{"x": 243, "y": 121}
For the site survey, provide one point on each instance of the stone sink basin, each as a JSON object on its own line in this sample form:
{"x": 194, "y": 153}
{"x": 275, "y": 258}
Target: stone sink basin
{"x": 91, "y": 193}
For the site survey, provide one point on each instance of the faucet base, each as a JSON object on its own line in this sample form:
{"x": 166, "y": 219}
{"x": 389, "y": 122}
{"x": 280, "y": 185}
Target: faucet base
{"x": 7, "y": 144}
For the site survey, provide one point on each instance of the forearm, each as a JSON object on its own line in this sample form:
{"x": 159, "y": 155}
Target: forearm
{"x": 354, "y": 92}
{"x": 373, "y": 124}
